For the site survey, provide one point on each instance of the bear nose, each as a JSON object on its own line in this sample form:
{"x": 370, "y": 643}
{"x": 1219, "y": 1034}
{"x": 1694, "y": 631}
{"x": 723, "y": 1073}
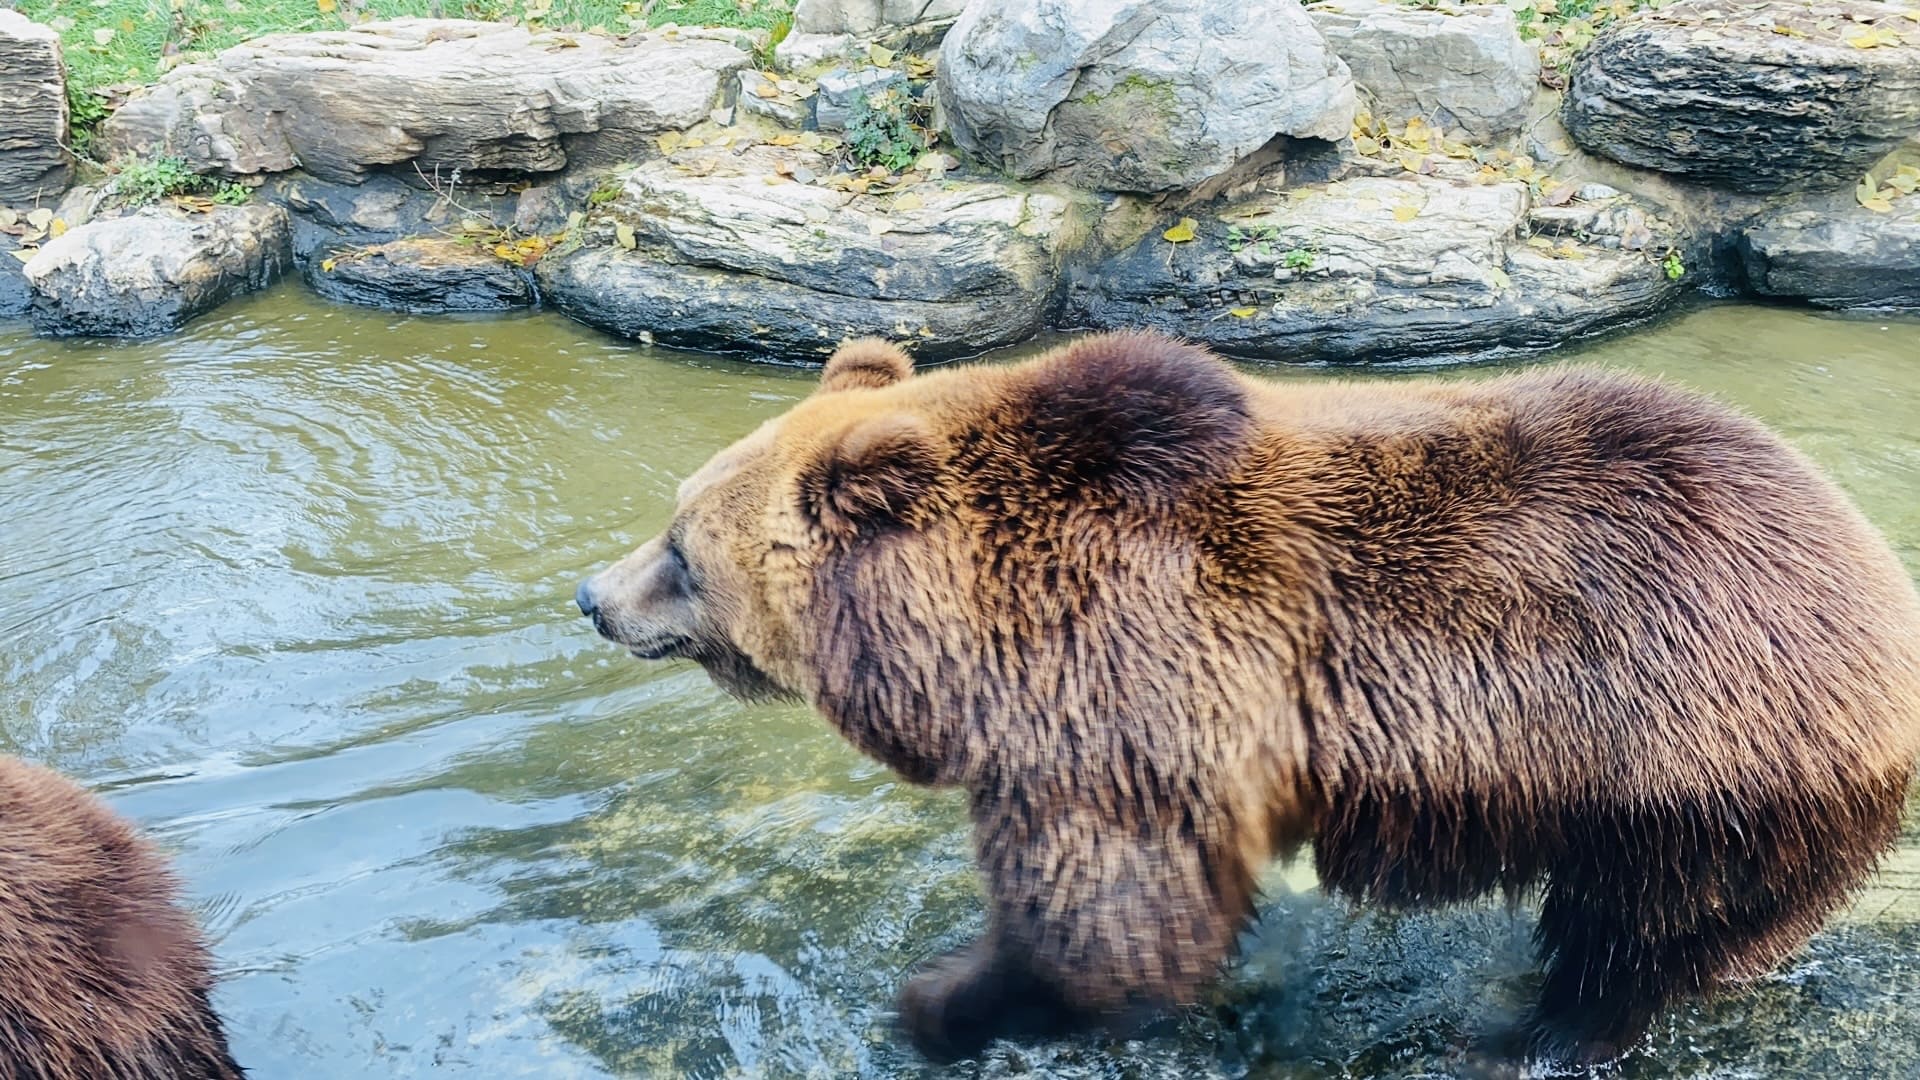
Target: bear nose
{"x": 583, "y": 596}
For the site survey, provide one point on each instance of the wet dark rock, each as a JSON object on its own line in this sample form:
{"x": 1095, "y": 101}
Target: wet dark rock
{"x": 1384, "y": 268}
{"x": 151, "y": 271}
{"x": 15, "y": 295}
{"x": 422, "y": 275}
{"x": 1754, "y": 97}
{"x": 34, "y": 164}
{"x": 722, "y": 259}
{"x": 1848, "y": 258}
{"x": 327, "y": 214}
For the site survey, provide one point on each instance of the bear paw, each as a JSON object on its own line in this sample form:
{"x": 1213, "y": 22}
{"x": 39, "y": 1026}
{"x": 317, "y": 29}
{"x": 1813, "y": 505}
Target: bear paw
{"x": 960, "y": 1003}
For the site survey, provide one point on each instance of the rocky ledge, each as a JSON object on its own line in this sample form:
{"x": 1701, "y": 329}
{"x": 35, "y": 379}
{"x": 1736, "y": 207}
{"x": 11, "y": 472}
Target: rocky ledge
{"x": 439, "y": 96}
{"x": 1766, "y": 96}
{"x": 1388, "y": 268}
{"x": 766, "y": 251}
{"x": 1344, "y": 181}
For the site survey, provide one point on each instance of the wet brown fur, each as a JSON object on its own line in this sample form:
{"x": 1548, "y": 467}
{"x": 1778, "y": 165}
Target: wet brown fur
{"x": 102, "y": 975}
{"x": 1562, "y": 630}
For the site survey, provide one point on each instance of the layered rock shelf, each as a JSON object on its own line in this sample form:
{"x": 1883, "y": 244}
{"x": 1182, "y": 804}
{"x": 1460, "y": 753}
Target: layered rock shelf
{"x": 1340, "y": 181}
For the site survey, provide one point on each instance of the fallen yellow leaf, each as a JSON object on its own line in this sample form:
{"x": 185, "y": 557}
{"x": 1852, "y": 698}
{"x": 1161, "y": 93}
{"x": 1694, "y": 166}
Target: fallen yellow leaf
{"x": 669, "y": 141}
{"x": 623, "y": 235}
{"x": 326, "y": 266}
{"x": 1244, "y": 312}
{"x": 1182, "y": 232}
{"x": 1405, "y": 212}
{"x": 909, "y": 201}
{"x": 880, "y": 55}
{"x": 326, "y": 6}
{"x": 57, "y": 227}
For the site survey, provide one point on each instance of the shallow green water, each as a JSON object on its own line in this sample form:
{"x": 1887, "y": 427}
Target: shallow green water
{"x": 294, "y": 589}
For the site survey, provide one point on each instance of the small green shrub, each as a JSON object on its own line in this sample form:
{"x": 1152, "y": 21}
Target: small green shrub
{"x": 85, "y": 111}
{"x": 142, "y": 182}
{"x": 881, "y": 131}
{"x": 1673, "y": 266}
{"x": 777, "y": 33}
{"x": 1299, "y": 259}
{"x": 1260, "y": 238}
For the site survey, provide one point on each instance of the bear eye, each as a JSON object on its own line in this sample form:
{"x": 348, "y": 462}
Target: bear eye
{"x": 683, "y": 571}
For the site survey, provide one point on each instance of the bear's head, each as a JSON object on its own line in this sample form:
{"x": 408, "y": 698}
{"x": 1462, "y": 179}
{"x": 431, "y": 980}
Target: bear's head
{"x": 895, "y": 549}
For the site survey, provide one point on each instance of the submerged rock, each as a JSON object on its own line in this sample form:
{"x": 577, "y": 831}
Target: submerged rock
{"x": 1136, "y": 96}
{"x": 1849, "y": 258}
{"x": 1382, "y": 268}
{"x": 1463, "y": 68}
{"x": 731, "y": 255}
{"x": 1757, "y": 97}
{"x": 422, "y": 275}
{"x": 443, "y": 96}
{"x": 34, "y": 164}
{"x": 151, "y": 271}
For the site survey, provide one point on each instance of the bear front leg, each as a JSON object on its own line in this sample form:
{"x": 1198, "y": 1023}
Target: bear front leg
{"x": 1092, "y": 923}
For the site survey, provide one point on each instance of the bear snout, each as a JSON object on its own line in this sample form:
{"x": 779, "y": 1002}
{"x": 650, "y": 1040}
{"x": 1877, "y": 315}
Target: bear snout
{"x": 641, "y": 602}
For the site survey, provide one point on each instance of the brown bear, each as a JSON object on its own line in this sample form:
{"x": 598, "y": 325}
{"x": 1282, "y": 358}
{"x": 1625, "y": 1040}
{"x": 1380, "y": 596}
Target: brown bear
{"x": 1561, "y": 631}
{"x": 102, "y": 975}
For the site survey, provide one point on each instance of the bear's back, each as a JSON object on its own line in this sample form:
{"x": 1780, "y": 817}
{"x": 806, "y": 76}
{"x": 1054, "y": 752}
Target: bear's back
{"x": 1568, "y": 558}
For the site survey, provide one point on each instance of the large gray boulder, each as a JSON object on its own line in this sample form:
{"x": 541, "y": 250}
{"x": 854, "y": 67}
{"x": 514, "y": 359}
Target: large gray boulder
{"x": 1766, "y": 96}
{"x": 1463, "y": 68}
{"x": 34, "y": 164}
{"x": 1146, "y": 95}
{"x": 1851, "y": 258}
{"x": 442, "y": 96}
{"x": 723, "y": 259}
{"x": 1385, "y": 268}
{"x": 868, "y": 16}
{"x": 149, "y": 272}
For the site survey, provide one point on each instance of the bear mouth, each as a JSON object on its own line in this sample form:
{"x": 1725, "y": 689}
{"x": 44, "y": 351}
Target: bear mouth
{"x": 664, "y": 649}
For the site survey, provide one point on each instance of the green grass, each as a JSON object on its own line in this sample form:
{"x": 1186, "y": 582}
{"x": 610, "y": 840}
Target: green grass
{"x": 144, "y": 37}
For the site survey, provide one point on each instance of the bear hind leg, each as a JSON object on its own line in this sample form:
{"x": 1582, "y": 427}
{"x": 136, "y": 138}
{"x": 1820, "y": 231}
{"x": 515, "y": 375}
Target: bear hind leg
{"x": 1662, "y": 907}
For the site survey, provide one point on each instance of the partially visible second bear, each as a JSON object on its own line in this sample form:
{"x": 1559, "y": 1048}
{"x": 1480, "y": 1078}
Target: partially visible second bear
{"x": 102, "y": 974}
{"x": 1562, "y": 630}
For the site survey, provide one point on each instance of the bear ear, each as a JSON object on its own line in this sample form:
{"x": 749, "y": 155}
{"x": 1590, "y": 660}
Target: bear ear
{"x": 1135, "y": 411}
{"x": 865, "y": 364}
{"x": 879, "y": 472}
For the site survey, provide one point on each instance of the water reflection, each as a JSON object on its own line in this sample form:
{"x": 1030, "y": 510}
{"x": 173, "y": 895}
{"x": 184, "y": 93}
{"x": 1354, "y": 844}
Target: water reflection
{"x": 293, "y": 588}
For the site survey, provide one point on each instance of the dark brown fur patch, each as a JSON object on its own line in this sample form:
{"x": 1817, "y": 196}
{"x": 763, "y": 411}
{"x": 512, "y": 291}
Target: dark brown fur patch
{"x": 1135, "y": 411}
{"x": 102, "y": 975}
